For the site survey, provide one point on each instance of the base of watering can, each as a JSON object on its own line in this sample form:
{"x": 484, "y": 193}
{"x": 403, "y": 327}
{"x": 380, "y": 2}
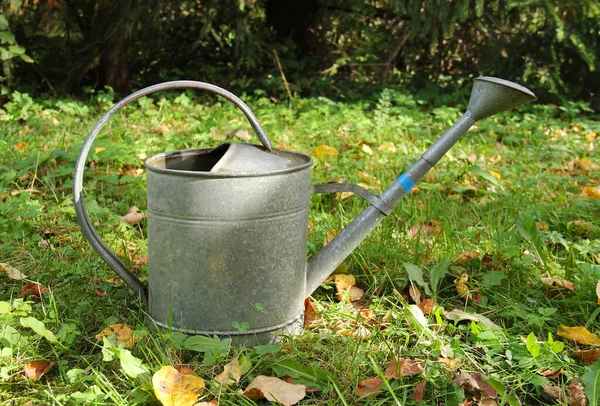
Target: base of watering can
{"x": 261, "y": 336}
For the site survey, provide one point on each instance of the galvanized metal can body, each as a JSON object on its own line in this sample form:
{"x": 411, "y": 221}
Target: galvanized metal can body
{"x": 226, "y": 247}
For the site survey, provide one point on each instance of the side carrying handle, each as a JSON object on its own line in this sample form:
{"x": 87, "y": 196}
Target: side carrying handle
{"x": 82, "y": 216}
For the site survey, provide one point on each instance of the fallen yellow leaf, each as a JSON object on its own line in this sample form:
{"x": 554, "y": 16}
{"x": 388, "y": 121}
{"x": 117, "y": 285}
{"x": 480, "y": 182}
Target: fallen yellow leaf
{"x": 591, "y": 192}
{"x": 591, "y": 135}
{"x": 174, "y": 389}
{"x": 388, "y": 146}
{"x": 275, "y": 390}
{"x": 580, "y": 335}
{"x": 598, "y": 291}
{"x": 99, "y": 149}
{"x": 231, "y": 373}
{"x": 325, "y": 151}
{"x": 12, "y": 272}
{"x": 461, "y": 285}
{"x": 495, "y": 174}
{"x": 330, "y": 235}
{"x": 367, "y": 149}
{"x": 121, "y": 332}
{"x": 344, "y": 281}
{"x": 426, "y": 228}
{"x": 21, "y": 146}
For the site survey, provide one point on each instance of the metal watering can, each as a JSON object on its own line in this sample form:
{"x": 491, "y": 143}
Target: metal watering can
{"x": 227, "y": 226}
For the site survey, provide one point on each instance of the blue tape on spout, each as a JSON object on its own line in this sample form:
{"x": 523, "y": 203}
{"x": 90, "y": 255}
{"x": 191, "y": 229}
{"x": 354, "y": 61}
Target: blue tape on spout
{"x": 406, "y": 182}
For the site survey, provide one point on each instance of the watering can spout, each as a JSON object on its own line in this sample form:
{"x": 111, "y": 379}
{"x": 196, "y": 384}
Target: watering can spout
{"x": 489, "y": 96}
{"x": 492, "y": 95}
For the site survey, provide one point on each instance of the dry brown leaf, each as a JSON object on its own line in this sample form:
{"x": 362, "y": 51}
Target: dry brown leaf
{"x": 121, "y": 332}
{"x": 174, "y": 389}
{"x": 427, "y": 306}
{"x": 588, "y": 356}
{"x": 355, "y": 294}
{"x": 369, "y": 387}
{"x": 310, "y": 314}
{"x": 33, "y": 291}
{"x": 36, "y": 369}
{"x": 466, "y": 256}
{"x": 426, "y": 228}
{"x": 12, "y": 272}
{"x": 475, "y": 381}
{"x": 275, "y": 390}
{"x": 325, "y": 151}
{"x": 185, "y": 370}
{"x": 550, "y": 373}
{"x": 487, "y": 402}
{"x": 403, "y": 367}
{"x": 580, "y": 335}
{"x": 591, "y": 192}
{"x": 133, "y": 216}
{"x": 415, "y": 294}
{"x": 559, "y": 283}
{"x": 598, "y": 291}
{"x": 418, "y": 391}
{"x": 576, "y": 394}
{"x": 162, "y": 128}
{"x": 231, "y": 373}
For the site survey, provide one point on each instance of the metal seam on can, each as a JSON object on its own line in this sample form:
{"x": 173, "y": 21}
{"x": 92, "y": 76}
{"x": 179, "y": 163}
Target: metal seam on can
{"x": 233, "y": 332}
{"x": 184, "y": 220}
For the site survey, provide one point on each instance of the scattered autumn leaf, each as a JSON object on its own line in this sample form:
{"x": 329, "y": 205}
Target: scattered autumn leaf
{"x": 185, "y": 370}
{"x": 418, "y": 391}
{"x": 461, "y": 285}
{"x": 20, "y": 146}
{"x": 598, "y": 291}
{"x": 369, "y": 387}
{"x": 475, "y": 382}
{"x": 367, "y": 149}
{"x": 36, "y": 369}
{"x": 344, "y": 284}
{"x": 403, "y": 367}
{"x": 172, "y": 388}
{"x": 275, "y": 390}
{"x": 488, "y": 402}
{"x": 550, "y": 373}
{"x": 231, "y": 373}
{"x": 466, "y": 256}
{"x": 559, "y": 283}
{"x": 450, "y": 364}
{"x": 12, "y": 272}
{"x": 33, "y": 291}
{"x": 330, "y": 235}
{"x": 325, "y": 151}
{"x": 388, "y": 146}
{"x": 427, "y": 306}
{"x": 591, "y": 192}
{"x": 588, "y": 356}
{"x": 133, "y": 216}
{"x": 575, "y": 394}
{"x": 415, "y": 294}
{"x": 310, "y": 314}
{"x": 580, "y": 335}
{"x": 460, "y": 315}
{"x": 98, "y": 149}
{"x": 426, "y": 228}
{"x": 121, "y": 332}
{"x": 591, "y": 135}
{"x": 495, "y": 174}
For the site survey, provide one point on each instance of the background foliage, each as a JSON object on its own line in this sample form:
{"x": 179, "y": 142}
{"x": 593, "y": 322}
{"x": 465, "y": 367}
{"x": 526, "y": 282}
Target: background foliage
{"x": 324, "y": 45}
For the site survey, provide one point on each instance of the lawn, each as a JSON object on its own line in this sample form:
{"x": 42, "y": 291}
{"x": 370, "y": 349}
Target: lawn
{"x": 464, "y": 295}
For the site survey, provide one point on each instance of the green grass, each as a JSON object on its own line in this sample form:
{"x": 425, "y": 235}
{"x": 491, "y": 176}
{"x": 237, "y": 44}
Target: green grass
{"x": 529, "y": 149}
